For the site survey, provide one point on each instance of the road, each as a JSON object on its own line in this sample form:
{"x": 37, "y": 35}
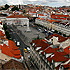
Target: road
{"x": 15, "y": 36}
{"x": 25, "y": 38}
{"x": 19, "y": 37}
{"x": 29, "y": 36}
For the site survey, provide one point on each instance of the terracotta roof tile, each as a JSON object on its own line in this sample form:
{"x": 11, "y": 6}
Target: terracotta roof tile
{"x": 13, "y": 64}
{"x": 40, "y": 43}
{"x": 67, "y": 65}
{"x": 11, "y": 50}
{"x": 1, "y": 34}
{"x": 58, "y": 57}
{"x": 60, "y": 38}
{"x": 16, "y": 16}
{"x": 50, "y": 50}
{"x": 67, "y": 50}
{"x": 40, "y": 14}
{"x": 49, "y": 59}
{"x": 63, "y": 53}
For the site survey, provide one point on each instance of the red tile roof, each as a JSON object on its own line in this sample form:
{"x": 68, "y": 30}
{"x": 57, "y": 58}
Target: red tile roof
{"x": 40, "y": 43}
{"x": 67, "y": 65}
{"x": 44, "y": 40}
{"x": 67, "y": 50}
{"x": 16, "y": 52}
{"x": 11, "y": 43}
{"x": 42, "y": 52}
{"x": 11, "y": 50}
{"x": 1, "y": 34}
{"x": 13, "y": 64}
{"x": 44, "y": 46}
{"x": 16, "y": 16}
{"x": 40, "y": 18}
{"x": 63, "y": 53}
{"x": 49, "y": 59}
{"x": 36, "y": 41}
{"x": 59, "y": 16}
{"x": 0, "y": 46}
{"x": 58, "y": 57}
{"x": 40, "y": 14}
{"x": 50, "y": 50}
{"x": 34, "y": 12}
{"x": 49, "y": 20}
{"x": 60, "y": 38}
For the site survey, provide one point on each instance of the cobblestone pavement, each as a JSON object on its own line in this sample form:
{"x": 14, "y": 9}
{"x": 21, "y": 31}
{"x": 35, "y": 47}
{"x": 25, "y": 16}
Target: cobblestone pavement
{"x": 29, "y": 36}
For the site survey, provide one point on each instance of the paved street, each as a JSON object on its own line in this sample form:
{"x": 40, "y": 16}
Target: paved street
{"x": 15, "y": 36}
{"x": 25, "y": 38}
{"x": 19, "y": 37}
{"x": 30, "y": 35}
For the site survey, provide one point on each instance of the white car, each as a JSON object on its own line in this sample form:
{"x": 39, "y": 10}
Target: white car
{"x": 28, "y": 49}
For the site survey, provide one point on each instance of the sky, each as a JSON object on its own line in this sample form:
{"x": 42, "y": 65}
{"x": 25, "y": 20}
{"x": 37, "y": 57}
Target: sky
{"x": 52, "y": 3}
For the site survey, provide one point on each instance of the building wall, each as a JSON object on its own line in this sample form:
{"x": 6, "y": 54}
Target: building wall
{"x": 54, "y": 26}
{"x": 39, "y": 60}
{"x": 65, "y": 44}
{"x": 20, "y": 21}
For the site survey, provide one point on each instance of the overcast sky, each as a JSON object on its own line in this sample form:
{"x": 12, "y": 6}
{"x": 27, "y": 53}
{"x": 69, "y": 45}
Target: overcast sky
{"x": 38, "y": 2}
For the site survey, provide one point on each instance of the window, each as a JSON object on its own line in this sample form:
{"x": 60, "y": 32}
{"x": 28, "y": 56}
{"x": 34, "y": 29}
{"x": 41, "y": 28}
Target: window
{"x": 5, "y": 59}
{"x": 41, "y": 66}
{"x": 39, "y": 61}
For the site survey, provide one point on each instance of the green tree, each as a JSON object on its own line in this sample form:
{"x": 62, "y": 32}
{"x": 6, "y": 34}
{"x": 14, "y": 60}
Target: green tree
{"x": 5, "y": 27}
{"x": 24, "y": 11}
{"x": 7, "y": 35}
{"x": 7, "y": 6}
{"x": 68, "y": 10}
{"x": 55, "y": 31}
{"x": 64, "y": 35}
{"x": 15, "y": 8}
{"x": 60, "y": 33}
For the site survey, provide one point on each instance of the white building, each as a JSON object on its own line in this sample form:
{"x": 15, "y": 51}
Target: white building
{"x": 18, "y": 20}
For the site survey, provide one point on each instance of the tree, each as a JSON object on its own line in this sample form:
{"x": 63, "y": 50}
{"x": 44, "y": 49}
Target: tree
{"x": 60, "y": 33}
{"x": 55, "y": 31}
{"x": 24, "y": 11}
{"x": 64, "y": 35}
{"x": 15, "y": 8}
{"x": 7, "y": 35}
{"x": 5, "y": 27}
{"x": 68, "y": 10}
{"x": 7, "y": 6}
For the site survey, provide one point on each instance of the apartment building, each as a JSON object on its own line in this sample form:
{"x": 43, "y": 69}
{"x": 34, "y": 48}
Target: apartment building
{"x": 8, "y": 49}
{"x": 54, "y": 25}
{"x": 48, "y": 54}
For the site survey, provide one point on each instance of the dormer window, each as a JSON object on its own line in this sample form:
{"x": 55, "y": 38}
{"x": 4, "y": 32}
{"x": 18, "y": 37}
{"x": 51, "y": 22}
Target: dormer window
{"x": 5, "y": 59}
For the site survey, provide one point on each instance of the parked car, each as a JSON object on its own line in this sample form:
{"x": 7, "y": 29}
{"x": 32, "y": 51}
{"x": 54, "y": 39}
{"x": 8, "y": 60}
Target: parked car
{"x": 25, "y": 50}
{"x": 28, "y": 49}
{"x": 18, "y": 44}
{"x": 11, "y": 30}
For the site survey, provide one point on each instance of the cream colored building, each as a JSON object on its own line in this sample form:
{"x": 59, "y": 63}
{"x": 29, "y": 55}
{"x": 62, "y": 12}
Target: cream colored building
{"x": 54, "y": 26}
